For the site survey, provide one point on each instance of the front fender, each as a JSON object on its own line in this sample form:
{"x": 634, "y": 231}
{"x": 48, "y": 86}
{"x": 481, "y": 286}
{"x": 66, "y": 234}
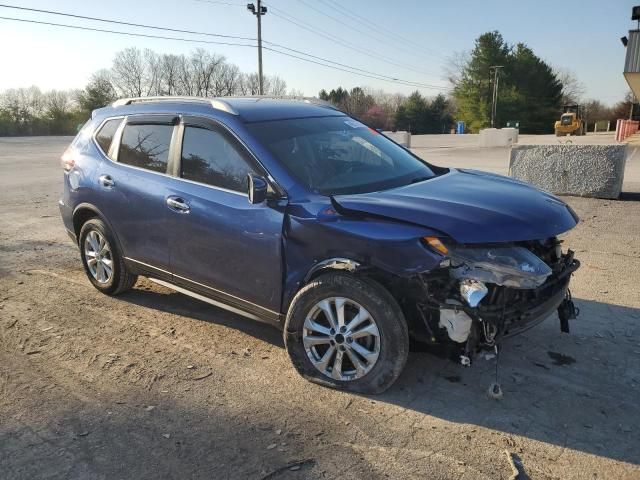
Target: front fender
{"x": 314, "y": 244}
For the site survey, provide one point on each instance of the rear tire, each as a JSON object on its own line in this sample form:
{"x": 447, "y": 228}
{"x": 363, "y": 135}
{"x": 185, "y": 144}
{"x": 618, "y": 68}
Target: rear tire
{"x": 371, "y": 359}
{"x": 103, "y": 263}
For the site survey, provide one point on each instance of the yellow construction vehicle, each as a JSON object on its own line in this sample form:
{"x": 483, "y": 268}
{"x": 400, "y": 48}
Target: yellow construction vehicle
{"x": 571, "y": 121}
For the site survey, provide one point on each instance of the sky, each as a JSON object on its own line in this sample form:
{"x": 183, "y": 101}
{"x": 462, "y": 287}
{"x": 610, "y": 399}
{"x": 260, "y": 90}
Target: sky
{"x": 410, "y": 40}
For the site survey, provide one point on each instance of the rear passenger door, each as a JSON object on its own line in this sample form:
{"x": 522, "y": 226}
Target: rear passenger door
{"x": 221, "y": 245}
{"x": 134, "y": 187}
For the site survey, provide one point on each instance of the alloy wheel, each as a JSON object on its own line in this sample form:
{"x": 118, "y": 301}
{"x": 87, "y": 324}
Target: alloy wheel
{"x": 98, "y": 256}
{"x": 341, "y": 338}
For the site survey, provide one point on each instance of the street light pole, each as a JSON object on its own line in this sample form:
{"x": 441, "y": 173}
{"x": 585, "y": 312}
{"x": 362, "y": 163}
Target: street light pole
{"x": 494, "y": 100}
{"x": 259, "y": 11}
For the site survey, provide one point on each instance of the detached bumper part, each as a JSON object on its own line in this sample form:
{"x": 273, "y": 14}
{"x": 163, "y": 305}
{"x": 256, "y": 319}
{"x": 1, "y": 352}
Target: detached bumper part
{"x": 567, "y": 310}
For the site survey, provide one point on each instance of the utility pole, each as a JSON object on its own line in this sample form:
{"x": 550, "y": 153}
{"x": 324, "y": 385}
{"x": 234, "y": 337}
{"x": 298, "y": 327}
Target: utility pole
{"x": 259, "y": 11}
{"x": 494, "y": 100}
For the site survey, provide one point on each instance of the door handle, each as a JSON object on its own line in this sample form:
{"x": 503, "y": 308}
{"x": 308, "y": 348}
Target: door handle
{"x": 107, "y": 181}
{"x": 178, "y": 204}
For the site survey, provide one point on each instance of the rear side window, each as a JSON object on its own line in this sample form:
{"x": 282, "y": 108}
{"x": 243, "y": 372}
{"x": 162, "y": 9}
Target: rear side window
{"x": 146, "y": 146}
{"x": 209, "y": 156}
{"x": 104, "y": 137}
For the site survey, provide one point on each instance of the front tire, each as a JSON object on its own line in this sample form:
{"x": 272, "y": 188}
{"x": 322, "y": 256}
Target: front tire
{"x": 103, "y": 263}
{"x": 347, "y": 332}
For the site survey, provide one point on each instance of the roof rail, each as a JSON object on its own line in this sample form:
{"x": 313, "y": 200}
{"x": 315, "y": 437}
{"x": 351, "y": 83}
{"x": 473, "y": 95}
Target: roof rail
{"x": 216, "y": 103}
{"x": 313, "y": 100}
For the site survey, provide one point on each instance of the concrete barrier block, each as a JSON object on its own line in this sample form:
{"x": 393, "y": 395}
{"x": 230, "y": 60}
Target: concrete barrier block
{"x": 401, "y": 137}
{"x": 498, "y": 137}
{"x": 581, "y": 170}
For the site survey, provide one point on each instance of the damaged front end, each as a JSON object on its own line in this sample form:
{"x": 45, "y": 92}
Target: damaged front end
{"x": 481, "y": 294}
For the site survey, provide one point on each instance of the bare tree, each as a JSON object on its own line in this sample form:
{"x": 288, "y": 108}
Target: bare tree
{"x": 58, "y": 103}
{"x": 250, "y": 84}
{"x": 185, "y": 83}
{"x": 231, "y": 79}
{"x": 275, "y": 85}
{"x": 128, "y": 73}
{"x": 205, "y": 70}
{"x": 152, "y": 71}
{"x": 170, "y": 66}
{"x": 572, "y": 88}
{"x": 455, "y": 66}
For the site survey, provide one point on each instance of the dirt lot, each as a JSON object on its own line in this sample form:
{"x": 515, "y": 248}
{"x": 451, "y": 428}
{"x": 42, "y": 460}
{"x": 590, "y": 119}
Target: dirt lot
{"x": 153, "y": 384}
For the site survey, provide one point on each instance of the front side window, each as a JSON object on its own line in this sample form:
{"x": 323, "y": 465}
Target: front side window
{"x": 339, "y": 155}
{"x": 146, "y": 146}
{"x": 105, "y": 135}
{"x": 209, "y": 156}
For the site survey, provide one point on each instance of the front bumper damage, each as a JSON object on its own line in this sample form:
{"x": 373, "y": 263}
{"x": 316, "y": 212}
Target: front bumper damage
{"x": 469, "y": 314}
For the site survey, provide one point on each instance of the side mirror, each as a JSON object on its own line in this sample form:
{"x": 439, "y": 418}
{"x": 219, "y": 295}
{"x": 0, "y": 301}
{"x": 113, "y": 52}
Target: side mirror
{"x": 257, "y": 189}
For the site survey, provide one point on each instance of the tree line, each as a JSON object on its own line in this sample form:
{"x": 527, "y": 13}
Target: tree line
{"x": 133, "y": 73}
{"x": 378, "y": 109}
{"x": 530, "y": 92}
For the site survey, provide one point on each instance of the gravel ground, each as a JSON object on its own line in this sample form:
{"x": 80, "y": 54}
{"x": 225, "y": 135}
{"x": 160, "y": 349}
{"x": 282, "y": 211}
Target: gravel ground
{"x": 153, "y": 384}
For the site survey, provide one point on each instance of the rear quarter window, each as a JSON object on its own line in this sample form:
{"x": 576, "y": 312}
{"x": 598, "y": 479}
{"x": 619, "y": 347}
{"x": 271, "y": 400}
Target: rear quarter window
{"x": 105, "y": 134}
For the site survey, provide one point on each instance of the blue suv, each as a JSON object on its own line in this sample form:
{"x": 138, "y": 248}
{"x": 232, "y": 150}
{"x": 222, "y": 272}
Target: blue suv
{"x": 293, "y": 213}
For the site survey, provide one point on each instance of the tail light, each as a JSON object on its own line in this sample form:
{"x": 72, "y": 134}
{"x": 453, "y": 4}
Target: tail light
{"x": 68, "y": 159}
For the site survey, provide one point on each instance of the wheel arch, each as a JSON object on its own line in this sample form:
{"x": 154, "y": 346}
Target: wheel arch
{"x": 334, "y": 263}
{"x": 346, "y": 265}
{"x": 86, "y": 211}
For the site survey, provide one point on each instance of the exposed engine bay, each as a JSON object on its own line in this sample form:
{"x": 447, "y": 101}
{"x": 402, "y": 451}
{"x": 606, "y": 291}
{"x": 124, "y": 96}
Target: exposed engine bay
{"x": 480, "y": 295}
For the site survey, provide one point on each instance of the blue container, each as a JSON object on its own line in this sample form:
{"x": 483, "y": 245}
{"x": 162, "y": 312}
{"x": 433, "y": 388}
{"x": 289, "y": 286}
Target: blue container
{"x": 460, "y": 128}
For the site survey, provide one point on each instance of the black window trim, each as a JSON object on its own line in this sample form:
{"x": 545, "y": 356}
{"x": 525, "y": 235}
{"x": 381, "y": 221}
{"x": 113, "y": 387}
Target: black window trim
{"x": 175, "y": 149}
{"x": 209, "y": 123}
{"x": 113, "y": 140}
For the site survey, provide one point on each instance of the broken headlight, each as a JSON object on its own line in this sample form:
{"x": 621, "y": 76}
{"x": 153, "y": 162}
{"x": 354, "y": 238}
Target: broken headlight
{"x": 509, "y": 266}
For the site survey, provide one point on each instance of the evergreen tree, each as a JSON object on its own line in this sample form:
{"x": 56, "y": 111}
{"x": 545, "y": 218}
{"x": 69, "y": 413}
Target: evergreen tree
{"x": 529, "y": 91}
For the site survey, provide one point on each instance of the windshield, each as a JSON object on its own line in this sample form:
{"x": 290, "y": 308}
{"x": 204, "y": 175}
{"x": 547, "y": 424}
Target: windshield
{"x": 339, "y": 155}
{"x": 567, "y": 119}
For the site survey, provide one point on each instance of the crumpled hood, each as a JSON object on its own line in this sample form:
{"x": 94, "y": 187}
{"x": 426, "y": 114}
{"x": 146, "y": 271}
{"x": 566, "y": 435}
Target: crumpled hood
{"x": 471, "y": 207}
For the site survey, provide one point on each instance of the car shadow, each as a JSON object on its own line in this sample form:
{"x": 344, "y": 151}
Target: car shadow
{"x": 577, "y": 390}
{"x": 176, "y": 303}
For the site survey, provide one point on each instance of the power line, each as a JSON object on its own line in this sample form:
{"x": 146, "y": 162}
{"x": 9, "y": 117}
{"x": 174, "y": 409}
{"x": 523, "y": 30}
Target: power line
{"x": 132, "y": 34}
{"x": 191, "y": 40}
{"x": 156, "y": 27}
{"x": 423, "y": 85}
{"x": 398, "y": 81}
{"x": 340, "y": 21}
{"x": 378, "y": 27}
{"x": 343, "y": 43}
{"x": 119, "y": 22}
